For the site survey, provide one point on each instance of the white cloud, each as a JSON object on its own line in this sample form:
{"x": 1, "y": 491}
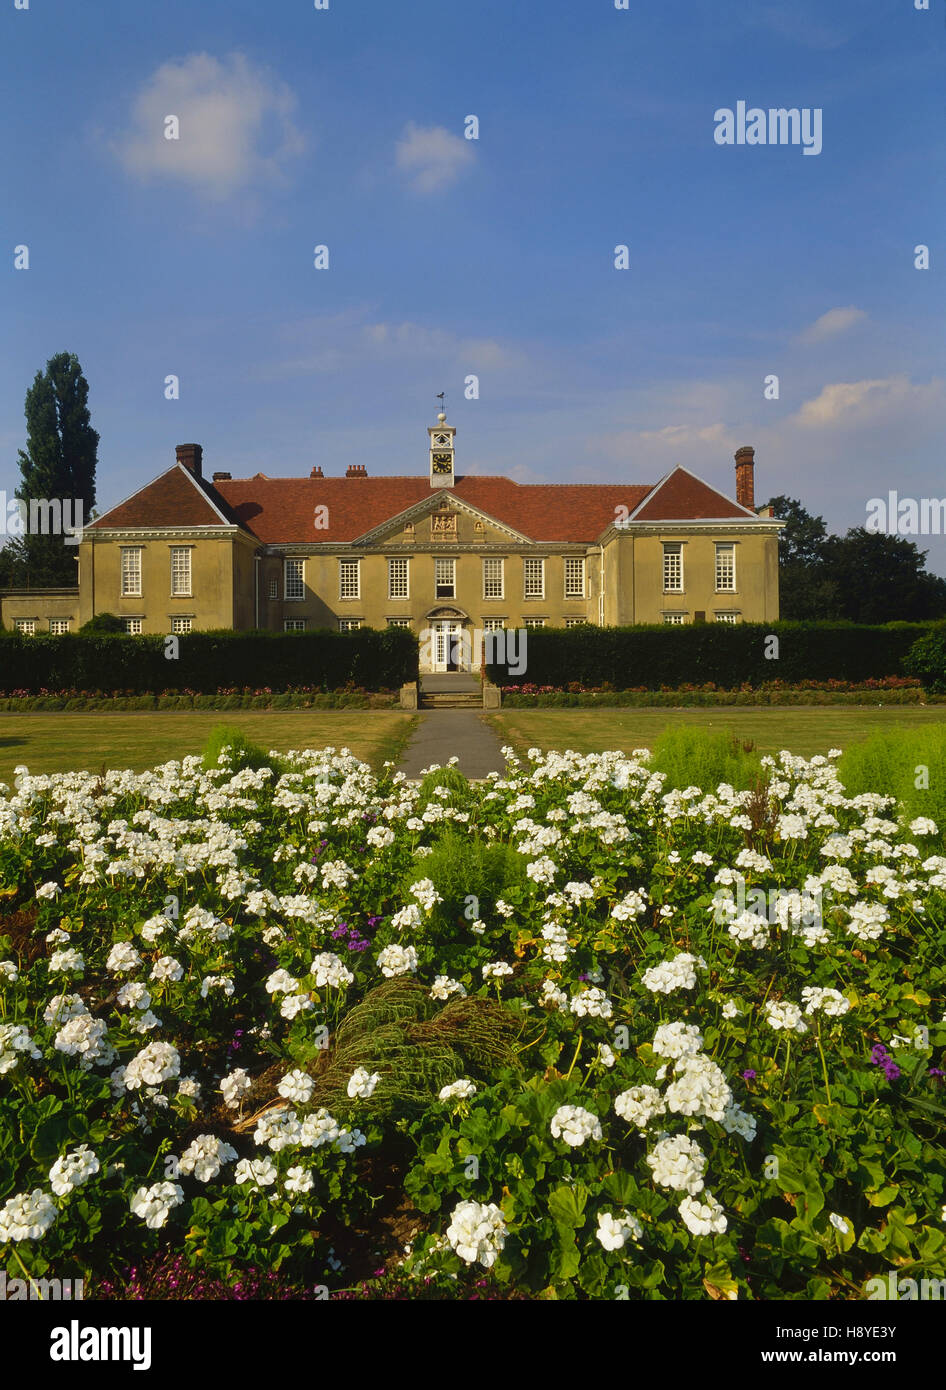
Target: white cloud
{"x": 432, "y": 157}
{"x": 860, "y": 403}
{"x": 336, "y": 342}
{"x": 832, "y": 323}
{"x": 235, "y": 125}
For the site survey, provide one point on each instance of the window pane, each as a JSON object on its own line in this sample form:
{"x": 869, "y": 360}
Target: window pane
{"x": 180, "y": 570}
{"x": 444, "y": 578}
{"x": 131, "y": 570}
{"x": 349, "y": 585}
{"x": 295, "y": 579}
{"x": 726, "y": 567}
{"x": 534, "y": 578}
{"x": 673, "y": 568}
{"x": 493, "y": 578}
{"x": 398, "y": 579}
{"x": 574, "y": 576}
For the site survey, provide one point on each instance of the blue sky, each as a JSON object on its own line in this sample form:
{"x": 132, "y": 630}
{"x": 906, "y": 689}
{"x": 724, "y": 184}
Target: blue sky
{"x": 493, "y": 257}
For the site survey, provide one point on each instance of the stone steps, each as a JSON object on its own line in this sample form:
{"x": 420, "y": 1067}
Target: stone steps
{"x": 451, "y": 699}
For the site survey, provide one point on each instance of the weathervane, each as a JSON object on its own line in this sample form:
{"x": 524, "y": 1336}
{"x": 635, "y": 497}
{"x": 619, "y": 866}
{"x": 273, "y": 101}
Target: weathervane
{"x": 440, "y": 399}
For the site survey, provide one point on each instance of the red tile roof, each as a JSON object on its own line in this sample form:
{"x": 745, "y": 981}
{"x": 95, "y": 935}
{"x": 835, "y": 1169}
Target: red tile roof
{"x": 681, "y": 496}
{"x": 282, "y": 510}
{"x": 176, "y": 498}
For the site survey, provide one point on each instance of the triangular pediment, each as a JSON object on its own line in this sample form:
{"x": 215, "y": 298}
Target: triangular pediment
{"x": 431, "y": 506}
{"x": 682, "y": 496}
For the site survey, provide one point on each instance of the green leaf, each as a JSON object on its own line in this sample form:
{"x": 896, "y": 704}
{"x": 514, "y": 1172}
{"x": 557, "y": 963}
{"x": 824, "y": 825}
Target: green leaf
{"x": 567, "y": 1205}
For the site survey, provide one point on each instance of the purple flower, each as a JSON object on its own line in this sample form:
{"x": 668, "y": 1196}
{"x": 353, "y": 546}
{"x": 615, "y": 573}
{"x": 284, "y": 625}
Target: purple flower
{"x": 935, "y": 1071}
{"x": 878, "y": 1054}
{"x": 748, "y": 1075}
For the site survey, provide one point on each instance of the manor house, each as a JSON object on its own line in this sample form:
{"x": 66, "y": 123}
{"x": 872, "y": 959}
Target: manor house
{"x": 441, "y": 550}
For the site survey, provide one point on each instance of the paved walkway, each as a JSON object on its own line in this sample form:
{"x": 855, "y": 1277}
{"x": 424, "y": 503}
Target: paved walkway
{"x": 446, "y": 733}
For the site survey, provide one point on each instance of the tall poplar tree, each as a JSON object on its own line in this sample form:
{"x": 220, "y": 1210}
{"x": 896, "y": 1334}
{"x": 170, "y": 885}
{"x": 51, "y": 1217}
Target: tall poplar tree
{"x": 59, "y": 462}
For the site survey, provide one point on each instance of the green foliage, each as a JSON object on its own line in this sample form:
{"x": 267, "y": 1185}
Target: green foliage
{"x": 694, "y": 757}
{"x": 104, "y": 622}
{"x": 462, "y": 867}
{"x": 209, "y": 661}
{"x": 242, "y": 752}
{"x": 728, "y": 655}
{"x": 450, "y": 778}
{"x": 895, "y": 762}
{"x": 927, "y": 660}
{"x": 416, "y": 1050}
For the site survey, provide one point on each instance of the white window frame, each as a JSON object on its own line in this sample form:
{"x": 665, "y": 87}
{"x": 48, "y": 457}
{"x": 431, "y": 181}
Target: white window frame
{"x": 726, "y": 617}
{"x": 27, "y": 626}
{"x": 570, "y": 561}
{"x": 445, "y": 565}
{"x": 293, "y": 625}
{"x": 673, "y": 551}
{"x": 675, "y": 619}
{"x": 349, "y": 590}
{"x": 490, "y": 582}
{"x": 131, "y": 571}
{"x": 56, "y": 630}
{"x": 727, "y": 548}
{"x": 576, "y": 622}
{"x": 494, "y": 624}
{"x": 529, "y": 589}
{"x": 181, "y": 581}
{"x": 274, "y": 588}
{"x": 349, "y": 624}
{"x": 399, "y": 588}
{"x": 399, "y": 622}
{"x": 133, "y": 626}
{"x": 181, "y": 625}
{"x": 293, "y": 574}
{"x": 532, "y": 623}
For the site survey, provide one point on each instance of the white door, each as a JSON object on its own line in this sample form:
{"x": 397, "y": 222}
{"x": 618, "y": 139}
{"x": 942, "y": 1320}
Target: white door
{"x": 447, "y": 645}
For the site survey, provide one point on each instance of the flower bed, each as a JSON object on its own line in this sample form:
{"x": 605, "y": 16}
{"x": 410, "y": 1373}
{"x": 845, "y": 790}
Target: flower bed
{"x": 563, "y": 1030}
{"x": 892, "y": 690}
{"x": 311, "y": 697}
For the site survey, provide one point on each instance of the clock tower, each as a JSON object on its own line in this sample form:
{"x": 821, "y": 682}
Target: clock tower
{"x": 441, "y": 453}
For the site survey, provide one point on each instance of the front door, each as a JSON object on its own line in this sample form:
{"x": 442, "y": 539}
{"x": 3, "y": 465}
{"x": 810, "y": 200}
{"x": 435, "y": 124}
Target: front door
{"x": 447, "y": 645}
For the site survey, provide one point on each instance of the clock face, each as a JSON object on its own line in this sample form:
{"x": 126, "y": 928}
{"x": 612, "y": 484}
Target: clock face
{"x": 442, "y": 463}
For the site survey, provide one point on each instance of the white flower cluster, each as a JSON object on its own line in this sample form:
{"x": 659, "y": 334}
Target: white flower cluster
{"x": 782, "y": 1015}
{"x": 613, "y": 1231}
{"x": 591, "y": 1003}
{"x": 27, "y": 1216}
{"x": 640, "y": 1105}
{"x": 157, "y": 1062}
{"x": 205, "y": 1157}
{"x": 829, "y": 1001}
{"x": 677, "y": 1040}
{"x": 154, "y": 1204}
{"x": 296, "y": 1086}
{"x": 73, "y": 1169}
{"x": 458, "y": 1090}
{"x": 328, "y": 969}
{"x": 362, "y": 1083}
{"x": 677, "y": 973}
{"x": 397, "y": 960}
{"x": 477, "y": 1233}
{"x": 443, "y": 987}
{"x": 574, "y": 1125}
{"x": 678, "y": 1163}
{"x": 15, "y": 1040}
{"x": 235, "y": 1086}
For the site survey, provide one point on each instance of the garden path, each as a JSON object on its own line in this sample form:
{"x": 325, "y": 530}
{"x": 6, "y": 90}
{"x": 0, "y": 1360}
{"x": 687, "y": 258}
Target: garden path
{"x": 446, "y": 733}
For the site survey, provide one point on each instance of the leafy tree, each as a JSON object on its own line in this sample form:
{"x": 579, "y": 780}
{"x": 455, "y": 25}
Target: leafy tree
{"x": 104, "y": 622}
{"x": 882, "y": 578}
{"x": 59, "y": 462}
{"x": 802, "y": 540}
{"x": 806, "y": 589}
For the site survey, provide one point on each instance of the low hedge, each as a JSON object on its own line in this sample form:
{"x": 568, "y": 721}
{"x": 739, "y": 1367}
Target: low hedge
{"x": 339, "y": 699}
{"x": 728, "y": 655}
{"x": 207, "y": 661}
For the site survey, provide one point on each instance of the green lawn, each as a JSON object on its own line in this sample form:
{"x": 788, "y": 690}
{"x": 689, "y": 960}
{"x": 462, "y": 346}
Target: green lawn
{"x": 72, "y": 742}
{"x": 804, "y": 730}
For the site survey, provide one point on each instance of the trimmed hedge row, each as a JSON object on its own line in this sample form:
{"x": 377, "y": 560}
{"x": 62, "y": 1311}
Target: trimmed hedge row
{"x": 206, "y": 661}
{"x": 728, "y": 655}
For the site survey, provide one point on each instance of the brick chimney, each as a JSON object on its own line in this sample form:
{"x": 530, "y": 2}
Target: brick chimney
{"x": 191, "y": 456}
{"x": 221, "y": 477}
{"x": 356, "y": 470}
{"x": 317, "y": 472}
{"x": 745, "y": 487}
